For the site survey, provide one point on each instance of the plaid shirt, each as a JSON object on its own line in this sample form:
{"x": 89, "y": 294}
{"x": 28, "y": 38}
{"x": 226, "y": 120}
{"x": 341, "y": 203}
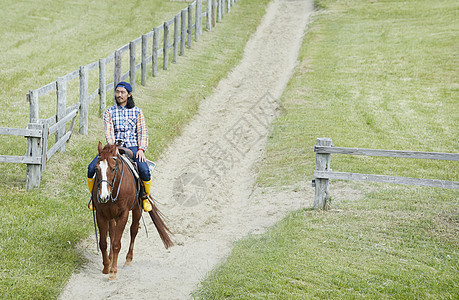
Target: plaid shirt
{"x": 126, "y": 125}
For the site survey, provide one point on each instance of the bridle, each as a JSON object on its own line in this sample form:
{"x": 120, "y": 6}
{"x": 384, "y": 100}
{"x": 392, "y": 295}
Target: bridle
{"x": 111, "y": 183}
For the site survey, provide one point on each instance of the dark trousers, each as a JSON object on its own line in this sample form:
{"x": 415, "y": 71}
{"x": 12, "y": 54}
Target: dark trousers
{"x": 144, "y": 170}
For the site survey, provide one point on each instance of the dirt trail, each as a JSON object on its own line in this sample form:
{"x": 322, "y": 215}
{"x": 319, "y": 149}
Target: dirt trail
{"x": 205, "y": 181}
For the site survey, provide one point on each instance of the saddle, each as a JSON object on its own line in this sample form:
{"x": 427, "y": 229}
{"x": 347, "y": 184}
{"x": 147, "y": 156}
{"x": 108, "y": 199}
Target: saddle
{"x": 126, "y": 151}
{"x": 128, "y": 157}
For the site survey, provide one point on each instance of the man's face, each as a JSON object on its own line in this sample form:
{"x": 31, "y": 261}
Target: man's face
{"x": 121, "y": 95}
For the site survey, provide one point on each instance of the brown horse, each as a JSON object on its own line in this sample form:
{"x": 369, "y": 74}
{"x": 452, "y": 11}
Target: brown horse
{"x": 114, "y": 195}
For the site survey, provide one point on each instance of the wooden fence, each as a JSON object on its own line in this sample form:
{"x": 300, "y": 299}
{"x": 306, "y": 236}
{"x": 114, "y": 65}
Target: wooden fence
{"x": 37, "y": 135}
{"x": 176, "y": 34}
{"x": 323, "y": 173}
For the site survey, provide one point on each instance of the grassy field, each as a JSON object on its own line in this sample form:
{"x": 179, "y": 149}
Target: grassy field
{"x": 47, "y": 39}
{"x": 372, "y": 74}
{"x": 43, "y": 40}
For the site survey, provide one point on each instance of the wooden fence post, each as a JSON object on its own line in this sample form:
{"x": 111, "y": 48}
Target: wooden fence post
{"x": 166, "y": 46}
{"x": 214, "y": 12}
{"x": 117, "y": 73}
{"x": 223, "y": 4}
{"x": 132, "y": 65}
{"x": 176, "y": 38}
{"x": 190, "y": 25}
{"x": 322, "y": 189}
{"x": 209, "y": 15}
{"x": 197, "y": 20}
{"x": 33, "y": 106}
{"x": 102, "y": 87}
{"x": 200, "y": 17}
{"x": 84, "y": 105}
{"x": 44, "y": 146}
{"x": 182, "y": 31}
{"x": 32, "y": 97}
{"x": 143, "y": 63}
{"x": 155, "y": 51}
{"x": 61, "y": 107}
{"x": 219, "y": 11}
{"x": 34, "y": 171}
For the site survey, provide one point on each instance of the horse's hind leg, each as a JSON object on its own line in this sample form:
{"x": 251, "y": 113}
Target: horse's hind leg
{"x": 136, "y": 215}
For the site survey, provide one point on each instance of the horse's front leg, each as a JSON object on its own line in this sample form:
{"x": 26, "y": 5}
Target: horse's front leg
{"x": 111, "y": 234}
{"x": 115, "y": 245}
{"x": 103, "y": 230}
{"x": 136, "y": 215}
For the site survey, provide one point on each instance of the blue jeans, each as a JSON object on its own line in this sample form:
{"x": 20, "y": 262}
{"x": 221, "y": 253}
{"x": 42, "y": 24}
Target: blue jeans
{"x": 144, "y": 170}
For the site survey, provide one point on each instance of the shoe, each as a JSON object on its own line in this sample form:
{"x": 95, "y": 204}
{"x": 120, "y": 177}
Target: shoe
{"x": 147, "y": 185}
{"x": 90, "y": 186}
{"x": 146, "y": 205}
{"x": 144, "y": 196}
{"x": 91, "y": 208}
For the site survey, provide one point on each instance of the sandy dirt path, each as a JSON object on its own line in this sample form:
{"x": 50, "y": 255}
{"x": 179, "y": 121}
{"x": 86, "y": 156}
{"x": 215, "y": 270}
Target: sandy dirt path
{"x": 205, "y": 182}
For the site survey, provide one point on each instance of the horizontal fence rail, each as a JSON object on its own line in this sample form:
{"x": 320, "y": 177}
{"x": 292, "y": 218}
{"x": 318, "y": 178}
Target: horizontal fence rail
{"x": 37, "y": 135}
{"x": 176, "y": 34}
{"x": 323, "y": 172}
{"x": 387, "y": 153}
{"x": 387, "y": 179}
{"x": 28, "y": 133}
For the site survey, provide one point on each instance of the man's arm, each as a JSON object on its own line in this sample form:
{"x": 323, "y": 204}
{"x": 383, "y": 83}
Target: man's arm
{"x": 142, "y": 132}
{"x": 142, "y": 137}
{"x": 109, "y": 128}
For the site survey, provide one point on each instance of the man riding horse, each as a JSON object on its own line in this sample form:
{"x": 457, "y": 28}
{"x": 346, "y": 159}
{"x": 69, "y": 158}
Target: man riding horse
{"x": 125, "y": 125}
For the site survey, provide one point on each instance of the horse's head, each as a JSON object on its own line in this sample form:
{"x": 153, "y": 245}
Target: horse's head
{"x": 106, "y": 170}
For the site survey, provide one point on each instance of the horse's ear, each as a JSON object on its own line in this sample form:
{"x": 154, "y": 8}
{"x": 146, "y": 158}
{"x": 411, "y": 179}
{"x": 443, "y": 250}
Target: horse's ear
{"x": 100, "y": 147}
{"x": 117, "y": 151}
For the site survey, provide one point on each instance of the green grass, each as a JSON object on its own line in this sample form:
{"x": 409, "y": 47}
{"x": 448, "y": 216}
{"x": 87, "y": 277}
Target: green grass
{"x": 350, "y": 253}
{"x": 372, "y": 74}
{"x": 42, "y": 40}
{"x": 39, "y": 230}
{"x": 46, "y": 39}
{"x": 38, "y": 236}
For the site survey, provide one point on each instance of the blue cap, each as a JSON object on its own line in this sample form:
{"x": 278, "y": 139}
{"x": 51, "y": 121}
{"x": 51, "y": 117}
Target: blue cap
{"x": 126, "y": 85}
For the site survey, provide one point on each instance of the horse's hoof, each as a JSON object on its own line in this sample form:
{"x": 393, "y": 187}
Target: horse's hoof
{"x": 105, "y": 271}
{"x": 127, "y": 263}
{"x": 112, "y": 277}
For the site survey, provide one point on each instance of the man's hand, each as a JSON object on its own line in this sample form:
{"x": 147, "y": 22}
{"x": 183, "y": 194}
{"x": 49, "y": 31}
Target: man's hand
{"x": 141, "y": 156}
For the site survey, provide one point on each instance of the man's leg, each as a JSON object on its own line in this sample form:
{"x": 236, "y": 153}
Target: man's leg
{"x": 145, "y": 176}
{"x": 91, "y": 179}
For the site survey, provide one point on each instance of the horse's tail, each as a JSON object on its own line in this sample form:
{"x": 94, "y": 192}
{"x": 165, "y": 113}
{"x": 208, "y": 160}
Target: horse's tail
{"x": 163, "y": 230}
